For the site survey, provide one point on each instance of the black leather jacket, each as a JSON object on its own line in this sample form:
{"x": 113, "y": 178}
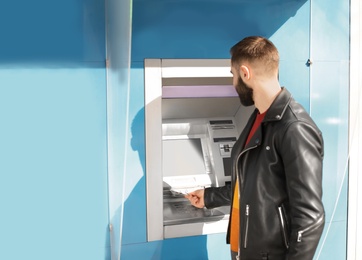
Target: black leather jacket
{"x": 280, "y": 178}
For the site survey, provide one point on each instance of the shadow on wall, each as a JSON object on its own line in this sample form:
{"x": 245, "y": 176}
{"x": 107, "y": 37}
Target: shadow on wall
{"x": 201, "y": 28}
{"x": 134, "y": 225}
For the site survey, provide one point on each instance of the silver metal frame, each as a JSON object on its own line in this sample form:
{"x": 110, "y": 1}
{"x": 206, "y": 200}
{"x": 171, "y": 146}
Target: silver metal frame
{"x": 153, "y": 134}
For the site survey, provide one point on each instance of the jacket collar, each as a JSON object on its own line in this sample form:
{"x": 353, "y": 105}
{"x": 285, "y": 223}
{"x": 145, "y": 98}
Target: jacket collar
{"x": 279, "y": 105}
{"x": 274, "y": 113}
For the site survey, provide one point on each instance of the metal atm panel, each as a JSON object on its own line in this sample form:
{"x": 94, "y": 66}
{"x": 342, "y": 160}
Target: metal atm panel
{"x": 189, "y": 138}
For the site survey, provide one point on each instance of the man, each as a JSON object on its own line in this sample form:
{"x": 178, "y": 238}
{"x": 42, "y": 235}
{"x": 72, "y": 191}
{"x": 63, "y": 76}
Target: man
{"x": 276, "y": 188}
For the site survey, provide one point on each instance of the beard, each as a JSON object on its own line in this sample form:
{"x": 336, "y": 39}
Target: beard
{"x": 245, "y": 93}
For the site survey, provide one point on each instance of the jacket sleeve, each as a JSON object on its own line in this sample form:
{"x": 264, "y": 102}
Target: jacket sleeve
{"x": 302, "y": 153}
{"x": 217, "y": 196}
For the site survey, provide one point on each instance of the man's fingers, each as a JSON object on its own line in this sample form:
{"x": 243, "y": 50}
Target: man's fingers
{"x": 195, "y": 199}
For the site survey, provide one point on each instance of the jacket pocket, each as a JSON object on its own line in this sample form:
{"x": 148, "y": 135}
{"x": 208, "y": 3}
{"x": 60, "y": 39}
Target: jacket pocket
{"x": 246, "y": 226}
{"x": 310, "y": 228}
{"x": 284, "y": 225}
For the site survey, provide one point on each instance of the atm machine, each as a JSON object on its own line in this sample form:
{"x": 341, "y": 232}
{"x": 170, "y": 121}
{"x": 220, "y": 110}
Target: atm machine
{"x": 193, "y": 117}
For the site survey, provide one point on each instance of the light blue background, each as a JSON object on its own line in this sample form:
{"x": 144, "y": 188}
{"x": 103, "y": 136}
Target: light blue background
{"x": 54, "y": 193}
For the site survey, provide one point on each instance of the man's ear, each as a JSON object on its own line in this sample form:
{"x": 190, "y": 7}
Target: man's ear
{"x": 245, "y": 72}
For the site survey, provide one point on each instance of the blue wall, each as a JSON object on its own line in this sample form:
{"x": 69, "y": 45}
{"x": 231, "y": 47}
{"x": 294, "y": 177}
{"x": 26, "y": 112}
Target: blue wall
{"x": 53, "y": 149}
{"x": 53, "y": 112}
{"x": 329, "y": 106}
{"x": 207, "y": 29}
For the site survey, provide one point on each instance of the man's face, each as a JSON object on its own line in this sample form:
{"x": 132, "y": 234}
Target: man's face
{"x": 244, "y": 91}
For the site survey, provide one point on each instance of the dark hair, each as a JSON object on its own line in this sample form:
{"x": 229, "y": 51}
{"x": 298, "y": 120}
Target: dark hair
{"x": 255, "y": 49}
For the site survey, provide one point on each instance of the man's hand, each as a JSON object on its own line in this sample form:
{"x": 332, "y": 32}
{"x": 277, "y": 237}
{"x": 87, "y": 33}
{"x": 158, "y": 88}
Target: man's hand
{"x": 196, "y": 198}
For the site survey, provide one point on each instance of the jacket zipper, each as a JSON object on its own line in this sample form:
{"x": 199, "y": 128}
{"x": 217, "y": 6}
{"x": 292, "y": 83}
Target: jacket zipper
{"x": 301, "y": 232}
{"x": 283, "y": 223}
{"x": 246, "y": 226}
{"x": 247, "y": 206}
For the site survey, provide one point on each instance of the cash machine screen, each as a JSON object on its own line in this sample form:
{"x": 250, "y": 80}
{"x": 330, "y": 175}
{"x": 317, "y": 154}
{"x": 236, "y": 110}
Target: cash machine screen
{"x": 183, "y": 157}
